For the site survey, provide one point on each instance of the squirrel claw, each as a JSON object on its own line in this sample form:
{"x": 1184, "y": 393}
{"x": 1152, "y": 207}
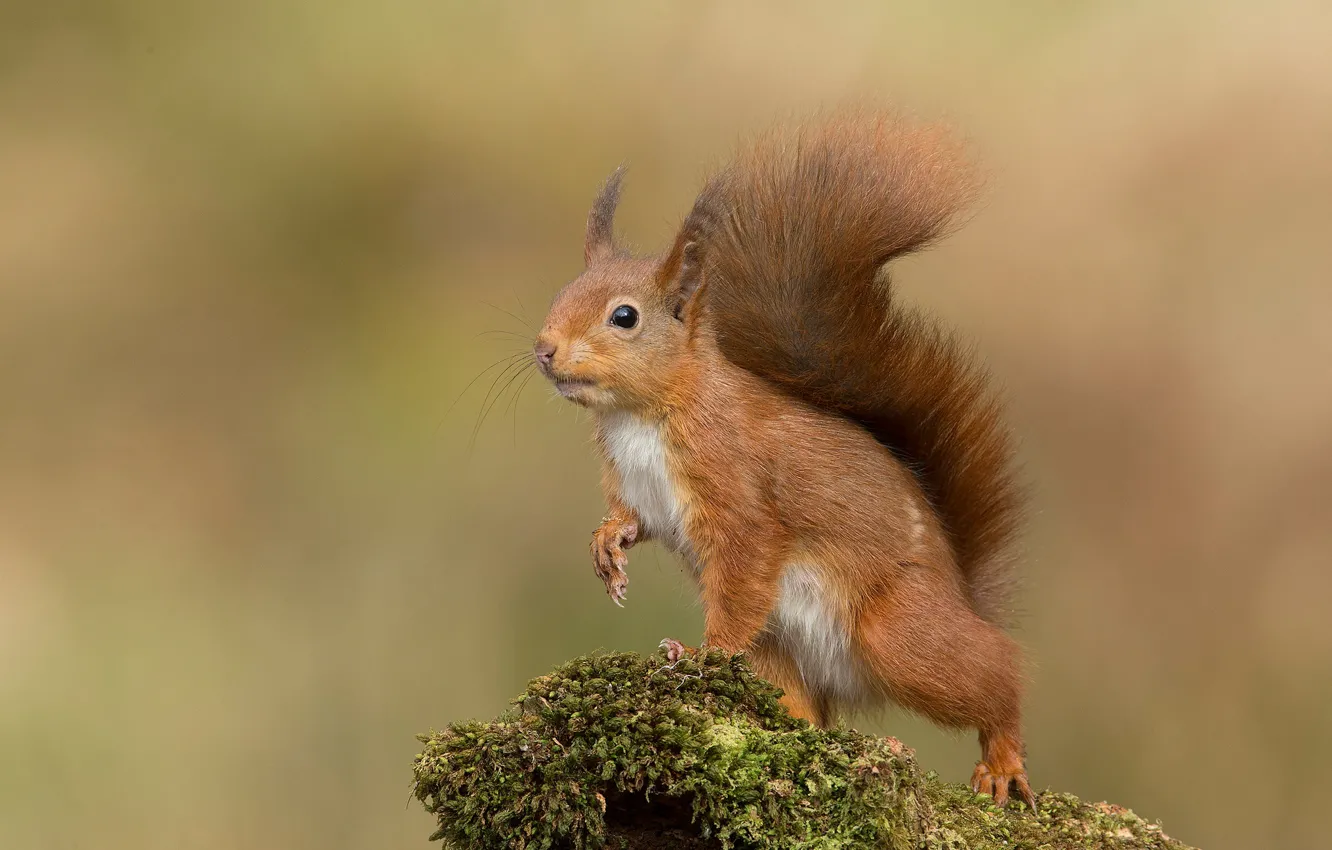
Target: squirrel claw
{"x": 617, "y": 585}
{"x": 608, "y": 558}
{"x": 674, "y": 651}
{"x": 997, "y": 785}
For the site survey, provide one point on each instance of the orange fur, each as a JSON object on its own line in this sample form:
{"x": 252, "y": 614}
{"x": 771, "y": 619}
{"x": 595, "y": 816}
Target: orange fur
{"x": 832, "y": 469}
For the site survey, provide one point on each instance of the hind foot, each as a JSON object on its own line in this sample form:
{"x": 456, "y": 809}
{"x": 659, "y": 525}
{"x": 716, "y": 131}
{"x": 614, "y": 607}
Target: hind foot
{"x": 1002, "y": 772}
{"x": 999, "y": 784}
{"x": 674, "y": 651}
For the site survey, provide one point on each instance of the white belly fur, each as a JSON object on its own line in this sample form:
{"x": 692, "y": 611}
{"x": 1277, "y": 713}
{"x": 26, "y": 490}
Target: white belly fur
{"x": 807, "y": 626}
{"x": 635, "y": 448}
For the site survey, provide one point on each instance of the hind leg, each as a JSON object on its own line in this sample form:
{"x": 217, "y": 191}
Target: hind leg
{"x": 932, "y": 654}
{"x": 775, "y": 665}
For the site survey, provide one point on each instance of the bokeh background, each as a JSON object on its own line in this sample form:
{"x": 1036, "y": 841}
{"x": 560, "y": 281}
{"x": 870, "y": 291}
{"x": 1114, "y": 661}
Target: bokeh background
{"x": 251, "y": 254}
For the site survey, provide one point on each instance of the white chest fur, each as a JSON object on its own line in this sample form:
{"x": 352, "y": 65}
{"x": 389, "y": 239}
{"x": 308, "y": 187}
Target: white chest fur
{"x": 639, "y": 456}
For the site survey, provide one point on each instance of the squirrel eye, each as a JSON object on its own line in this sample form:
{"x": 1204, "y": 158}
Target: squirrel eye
{"x": 624, "y": 316}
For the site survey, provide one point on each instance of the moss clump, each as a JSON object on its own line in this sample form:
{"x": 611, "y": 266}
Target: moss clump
{"x": 708, "y": 732}
{"x": 616, "y": 750}
{"x": 961, "y": 819}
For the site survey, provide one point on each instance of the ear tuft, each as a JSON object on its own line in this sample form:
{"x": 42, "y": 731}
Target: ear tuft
{"x": 599, "y": 243}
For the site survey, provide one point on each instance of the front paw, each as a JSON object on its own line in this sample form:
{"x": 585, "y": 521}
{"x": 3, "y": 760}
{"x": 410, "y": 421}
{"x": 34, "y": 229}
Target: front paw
{"x": 608, "y": 558}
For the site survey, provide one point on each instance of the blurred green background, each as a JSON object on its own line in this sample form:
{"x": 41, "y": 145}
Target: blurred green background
{"x": 250, "y": 254}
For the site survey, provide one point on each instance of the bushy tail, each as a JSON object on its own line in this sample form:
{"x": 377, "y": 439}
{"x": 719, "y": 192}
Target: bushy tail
{"x": 792, "y": 237}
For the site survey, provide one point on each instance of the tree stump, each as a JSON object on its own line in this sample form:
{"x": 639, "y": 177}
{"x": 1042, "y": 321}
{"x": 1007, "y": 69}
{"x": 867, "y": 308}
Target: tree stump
{"x": 621, "y": 751}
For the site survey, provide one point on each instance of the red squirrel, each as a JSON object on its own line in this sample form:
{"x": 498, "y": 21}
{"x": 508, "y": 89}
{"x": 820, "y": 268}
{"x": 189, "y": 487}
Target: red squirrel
{"x": 831, "y": 466}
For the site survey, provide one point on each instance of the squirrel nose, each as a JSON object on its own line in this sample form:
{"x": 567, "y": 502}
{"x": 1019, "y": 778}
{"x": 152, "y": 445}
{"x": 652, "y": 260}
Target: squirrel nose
{"x": 545, "y": 352}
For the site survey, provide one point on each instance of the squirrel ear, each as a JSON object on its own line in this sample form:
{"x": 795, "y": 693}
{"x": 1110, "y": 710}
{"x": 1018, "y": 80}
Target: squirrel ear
{"x": 681, "y": 275}
{"x": 599, "y": 243}
{"x": 688, "y": 277}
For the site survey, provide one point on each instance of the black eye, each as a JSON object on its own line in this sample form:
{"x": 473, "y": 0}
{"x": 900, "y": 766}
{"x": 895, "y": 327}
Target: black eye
{"x": 624, "y": 317}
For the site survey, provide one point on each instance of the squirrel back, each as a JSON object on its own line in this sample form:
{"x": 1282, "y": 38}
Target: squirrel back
{"x": 790, "y": 240}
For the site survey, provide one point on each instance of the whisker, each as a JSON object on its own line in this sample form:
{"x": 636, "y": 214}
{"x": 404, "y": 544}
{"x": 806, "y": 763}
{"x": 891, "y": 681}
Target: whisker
{"x": 513, "y": 403}
{"x": 523, "y": 337}
{"x": 523, "y": 322}
{"x": 507, "y": 375}
{"x": 513, "y": 368}
{"x": 598, "y": 331}
{"x": 507, "y": 384}
{"x": 502, "y": 361}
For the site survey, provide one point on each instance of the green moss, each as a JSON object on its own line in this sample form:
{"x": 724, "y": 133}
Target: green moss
{"x": 1061, "y": 820}
{"x": 706, "y": 748}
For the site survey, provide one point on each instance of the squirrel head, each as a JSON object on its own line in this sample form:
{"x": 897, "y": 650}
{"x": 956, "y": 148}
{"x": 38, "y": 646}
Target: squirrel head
{"x": 617, "y": 335}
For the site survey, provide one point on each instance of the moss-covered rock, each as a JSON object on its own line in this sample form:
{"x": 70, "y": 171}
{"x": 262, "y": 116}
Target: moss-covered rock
{"x": 620, "y": 751}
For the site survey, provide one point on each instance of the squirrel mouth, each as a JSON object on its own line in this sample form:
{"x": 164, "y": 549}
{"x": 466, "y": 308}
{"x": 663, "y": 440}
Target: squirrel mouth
{"x": 569, "y": 387}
